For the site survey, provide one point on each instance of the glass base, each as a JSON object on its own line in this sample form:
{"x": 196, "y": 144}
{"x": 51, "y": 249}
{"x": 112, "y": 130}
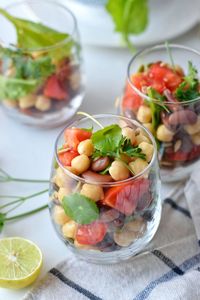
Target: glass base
{"x": 97, "y": 257}
{"x": 47, "y": 119}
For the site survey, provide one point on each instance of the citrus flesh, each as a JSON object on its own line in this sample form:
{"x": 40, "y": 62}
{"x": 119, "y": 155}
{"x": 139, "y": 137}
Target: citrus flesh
{"x": 20, "y": 262}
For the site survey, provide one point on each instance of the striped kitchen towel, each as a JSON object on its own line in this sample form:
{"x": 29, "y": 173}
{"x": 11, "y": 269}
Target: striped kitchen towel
{"x": 168, "y": 270}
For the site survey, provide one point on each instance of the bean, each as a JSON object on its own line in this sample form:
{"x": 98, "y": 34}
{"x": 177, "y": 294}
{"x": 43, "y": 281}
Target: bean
{"x": 174, "y": 104}
{"x": 100, "y": 164}
{"x": 182, "y": 117}
{"x": 94, "y": 177}
{"x": 165, "y": 120}
{"x": 129, "y": 114}
{"x": 109, "y": 215}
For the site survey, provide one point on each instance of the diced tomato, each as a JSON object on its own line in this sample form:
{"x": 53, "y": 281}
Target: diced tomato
{"x": 125, "y": 198}
{"x": 183, "y": 156}
{"x": 53, "y": 89}
{"x": 66, "y": 157}
{"x": 163, "y": 77}
{"x": 73, "y": 136}
{"x": 91, "y": 234}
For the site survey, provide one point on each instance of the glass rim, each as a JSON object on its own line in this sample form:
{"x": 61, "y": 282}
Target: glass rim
{"x": 113, "y": 183}
{"x": 51, "y": 47}
{"x": 151, "y": 49}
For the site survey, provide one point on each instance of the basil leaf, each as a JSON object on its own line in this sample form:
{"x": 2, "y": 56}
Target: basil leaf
{"x": 80, "y": 208}
{"x": 129, "y": 16}
{"x": 107, "y": 140}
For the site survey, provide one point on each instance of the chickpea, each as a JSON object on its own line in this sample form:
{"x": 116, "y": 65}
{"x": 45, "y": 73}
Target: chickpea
{"x": 142, "y": 138}
{"x": 63, "y": 192}
{"x": 129, "y": 133}
{"x": 27, "y": 101}
{"x": 43, "y": 103}
{"x": 92, "y": 191}
{"x": 86, "y": 147}
{"x": 196, "y": 138}
{"x": 60, "y": 178}
{"x": 164, "y": 134}
{"x": 138, "y": 165}
{"x": 59, "y": 215}
{"x": 124, "y": 238}
{"x": 80, "y": 163}
{"x": 149, "y": 126}
{"x": 144, "y": 114}
{"x": 138, "y": 225}
{"x": 118, "y": 171}
{"x": 147, "y": 149}
{"x": 81, "y": 246}
{"x": 193, "y": 129}
{"x": 69, "y": 229}
{"x": 71, "y": 169}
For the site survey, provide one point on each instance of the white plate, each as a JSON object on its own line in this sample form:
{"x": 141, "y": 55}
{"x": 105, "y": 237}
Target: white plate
{"x": 168, "y": 19}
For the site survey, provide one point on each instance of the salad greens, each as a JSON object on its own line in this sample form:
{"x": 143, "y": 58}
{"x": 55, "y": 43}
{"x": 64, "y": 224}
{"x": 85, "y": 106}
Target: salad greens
{"x": 189, "y": 88}
{"x": 155, "y": 108}
{"x": 110, "y": 142}
{"x": 80, "y": 208}
{"x": 129, "y": 16}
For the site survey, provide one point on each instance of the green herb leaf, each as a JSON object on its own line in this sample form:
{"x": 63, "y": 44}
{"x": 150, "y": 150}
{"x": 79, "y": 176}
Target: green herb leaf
{"x": 131, "y": 151}
{"x": 14, "y": 88}
{"x": 129, "y": 16}
{"x": 80, "y": 208}
{"x": 2, "y": 221}
{"x": 155, "y": 108}
{"x": 189, "y": 88}
{"x": 107, "y": 140}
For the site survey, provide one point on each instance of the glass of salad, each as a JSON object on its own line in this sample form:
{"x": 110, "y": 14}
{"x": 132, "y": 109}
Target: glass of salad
{"x": 163, "y": 93}
{"x": 41, "y": 80}
{"x": 104, "y": 189}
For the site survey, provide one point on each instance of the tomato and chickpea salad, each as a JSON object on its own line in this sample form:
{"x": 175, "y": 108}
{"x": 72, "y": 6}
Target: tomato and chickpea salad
{"x": 40, "y": 81}
{"x": 95, "y": 212}
{"x": 172, "y": 116}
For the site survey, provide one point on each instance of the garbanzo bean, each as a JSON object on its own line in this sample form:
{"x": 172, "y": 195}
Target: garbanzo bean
{"x": 144, "y": 114}
{"x": 63, "y": 192}
{"x": 118, "y": 171}
{"x": 92, "y": 191}
{"x": 69, "y": 229}
{"x": 86, "y": 147}
{"x": 80, "y": 163}
{"x": 164, "y": 134}
{"x": 147, "y": 149}
{"x": 43, "y": 103}
{"x": 129, "y": 133}
{"x": 138, "y": 165}
{"x": 60, "y": 216}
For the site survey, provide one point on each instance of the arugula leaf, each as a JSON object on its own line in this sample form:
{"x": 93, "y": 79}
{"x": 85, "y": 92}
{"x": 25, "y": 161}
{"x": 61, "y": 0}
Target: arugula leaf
{"x": 15, "y": 88}
{"x": 129, "y": 16}
{"x": 189, "y": 88}
{"x": 107, "y": 140}
{"x": 131, "y": 151}
{"x": 80, "y": 208}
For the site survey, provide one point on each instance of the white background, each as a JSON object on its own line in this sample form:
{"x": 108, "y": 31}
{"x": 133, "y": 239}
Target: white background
{"x": 27, "y": 151}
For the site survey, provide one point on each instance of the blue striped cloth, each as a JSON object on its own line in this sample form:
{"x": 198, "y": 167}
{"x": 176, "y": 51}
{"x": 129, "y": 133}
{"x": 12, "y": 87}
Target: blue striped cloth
{"x": 168, "y": 270}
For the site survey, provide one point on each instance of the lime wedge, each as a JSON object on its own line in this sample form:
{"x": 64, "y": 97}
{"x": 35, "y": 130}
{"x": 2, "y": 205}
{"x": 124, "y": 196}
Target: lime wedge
{"x": 20, "y": 262}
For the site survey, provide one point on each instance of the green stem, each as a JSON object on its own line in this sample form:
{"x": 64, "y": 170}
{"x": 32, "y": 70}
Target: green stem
{"x": 170, "y": 56}
{"x": 29, "y": 213}
{"x": 22, "y": 199}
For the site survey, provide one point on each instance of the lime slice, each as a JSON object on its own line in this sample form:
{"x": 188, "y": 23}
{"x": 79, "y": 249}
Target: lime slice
{"x": 20, "y": 262}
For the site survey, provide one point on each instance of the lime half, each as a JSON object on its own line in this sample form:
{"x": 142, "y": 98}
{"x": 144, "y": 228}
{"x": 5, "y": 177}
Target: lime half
{"x": 20, "y": 262}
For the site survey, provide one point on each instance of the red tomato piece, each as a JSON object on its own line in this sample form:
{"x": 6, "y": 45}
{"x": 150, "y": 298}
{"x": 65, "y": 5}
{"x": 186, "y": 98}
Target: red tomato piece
{"x": 73, "y": 136}
{"x": 53, "y": 89}
{"x": 66, "y": 157}
{"x": 91, "y": 234}
{"x": 163, "y": 77}
{"x": 125, "y": 198}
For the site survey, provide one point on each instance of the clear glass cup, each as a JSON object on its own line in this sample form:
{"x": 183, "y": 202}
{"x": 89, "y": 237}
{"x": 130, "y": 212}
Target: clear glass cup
{"x": 49, "y": 89}
{"x": 180, "y": 151}
{"x": 125, "y": 234}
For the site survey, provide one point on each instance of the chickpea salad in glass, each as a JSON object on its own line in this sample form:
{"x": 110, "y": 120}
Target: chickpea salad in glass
{"x": 104, "y": 190}
{"x": 165, "y": 97}
{"x": 40, "y": 75}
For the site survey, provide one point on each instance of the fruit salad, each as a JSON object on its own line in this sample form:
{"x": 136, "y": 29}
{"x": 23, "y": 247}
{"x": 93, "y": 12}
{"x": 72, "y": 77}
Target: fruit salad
{"x": 166, "y": 100}
{"x": 104, "y": 188}
{"x": 40, "y": 76}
